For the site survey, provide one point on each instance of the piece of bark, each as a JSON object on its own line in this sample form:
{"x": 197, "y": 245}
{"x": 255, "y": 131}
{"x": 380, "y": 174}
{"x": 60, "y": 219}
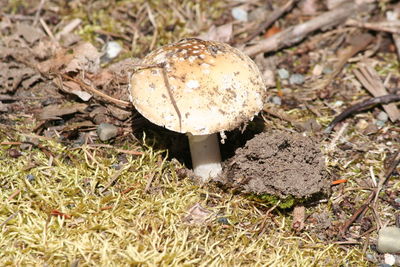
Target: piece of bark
{"x": 370, "y": 79}
{"x": 297, "y": 33}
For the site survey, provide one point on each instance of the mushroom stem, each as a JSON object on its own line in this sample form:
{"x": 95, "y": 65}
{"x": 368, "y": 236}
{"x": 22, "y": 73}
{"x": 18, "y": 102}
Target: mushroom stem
{"x": 206, "y": 157}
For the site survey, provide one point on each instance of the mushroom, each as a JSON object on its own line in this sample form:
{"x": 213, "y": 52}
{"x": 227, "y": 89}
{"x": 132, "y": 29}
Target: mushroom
{"x": 199, "y": 88}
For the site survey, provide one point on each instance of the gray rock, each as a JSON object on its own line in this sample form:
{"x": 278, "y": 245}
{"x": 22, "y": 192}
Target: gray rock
{"x": 382, "y": 116}
{"x": 239, "y": 14}
{"x": 327, "y": 70}
{"x": 276, "y": 100}
{"x": 296, "y": 79}
{"x": 389, "y": 240}
{"x": 106, "y": 131}
{"x": 283, "y": 74}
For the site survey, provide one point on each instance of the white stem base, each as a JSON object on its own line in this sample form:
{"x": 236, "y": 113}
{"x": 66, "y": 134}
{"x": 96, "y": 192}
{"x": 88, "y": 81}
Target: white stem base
{"x": 206, "y": 157}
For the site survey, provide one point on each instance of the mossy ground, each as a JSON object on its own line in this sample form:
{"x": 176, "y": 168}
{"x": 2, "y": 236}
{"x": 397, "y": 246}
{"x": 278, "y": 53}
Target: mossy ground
{"x": 55, "y": 211}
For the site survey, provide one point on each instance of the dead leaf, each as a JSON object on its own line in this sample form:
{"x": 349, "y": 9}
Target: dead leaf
{"x": 29, "y": 33}
{"x": 118, "y": 113}
{"x": 74, "y": 88}
{"x": 12, "y": 74}
{"x": 85, "y": 57}
{"x": 54, "y": 112}
{"x": 198, "y": 215}
{"x": 272, "y": 31}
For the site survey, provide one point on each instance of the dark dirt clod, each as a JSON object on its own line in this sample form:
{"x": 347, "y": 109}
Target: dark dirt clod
{"x": 282, "y": 164}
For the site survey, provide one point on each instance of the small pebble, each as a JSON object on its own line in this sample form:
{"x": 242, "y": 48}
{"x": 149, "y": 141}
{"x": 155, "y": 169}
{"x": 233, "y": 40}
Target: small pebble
{"x": 269, "y": 78}
{"x": 379, "y": 123}
{"x": 296, "y": 79}
{"x": 370, "y": 257}
{"x": 390, "y": 259}
{"x": 276, "y": 100}
{"x": 14, "y": 153}
{"x": 389, "y": 240}
{"x": 327, "y": 70}
{"x": 30, "y": 177}
{"x": 338, "y": 104}
{"x": 240, "y": 14}
{"x": 317, "y": 70}
{"x": 112, "y": 50}
{"x": 223, "y": 220}
{"x": 283, "y": 74}
{"x": 382, "y": 116}
{"x": 106, "y": 131}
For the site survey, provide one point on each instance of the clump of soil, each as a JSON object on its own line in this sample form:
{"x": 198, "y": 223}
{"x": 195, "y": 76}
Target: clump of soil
{"x": 282, "y": 164}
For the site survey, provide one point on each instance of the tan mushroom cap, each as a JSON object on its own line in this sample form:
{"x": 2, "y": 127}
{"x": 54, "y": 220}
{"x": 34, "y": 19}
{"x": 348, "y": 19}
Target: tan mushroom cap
{"x": 198, "y": 87}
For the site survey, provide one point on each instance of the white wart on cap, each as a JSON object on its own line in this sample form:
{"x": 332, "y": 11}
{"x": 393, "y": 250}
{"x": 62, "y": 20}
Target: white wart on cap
{"x": 215, "y": 87}
{"x": 199, "y": 88}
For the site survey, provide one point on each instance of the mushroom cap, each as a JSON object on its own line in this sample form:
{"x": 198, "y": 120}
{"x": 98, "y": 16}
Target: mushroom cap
{"x": 198, "y": 87}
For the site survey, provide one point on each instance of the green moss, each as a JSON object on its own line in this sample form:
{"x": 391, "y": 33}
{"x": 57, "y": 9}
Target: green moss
{"x": 272, "y": 200}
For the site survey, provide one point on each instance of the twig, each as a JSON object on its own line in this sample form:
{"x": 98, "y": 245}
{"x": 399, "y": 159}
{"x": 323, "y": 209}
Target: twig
{"x": 97, "y": 92}
{"x": 275, "y": 15}
{"x": 372, "y": 82}
{"x": 167, "y": 85}
{"x": 385, "y": 26}
{"x": 338, "y": 135}
{"x": 124, "y": 151}
{"x": 279, "y": 114}
{"x": 68, "y": 28}
{"x": 149, "y": 181}
{"x": 113, "y": 180}
{"x": 357, "y": 43}
{"x": 360, "y": 210}
{"x": 38, "y": 11}
{"x": 9, "y": 218}
{"x": 47, "y": 30}
{"x": 297, "y": 33}
{"x": 395, "y": 162}
{"x": 171, "y": 96}
{"x": 16, "y": 192}
{"x": 394, "y": 17}
{"x": 362, "y": 106}
{"x": 391, "y": 169}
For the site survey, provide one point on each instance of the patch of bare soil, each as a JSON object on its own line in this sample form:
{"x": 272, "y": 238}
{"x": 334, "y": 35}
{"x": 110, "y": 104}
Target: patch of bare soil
{"x": 281, "y": 163}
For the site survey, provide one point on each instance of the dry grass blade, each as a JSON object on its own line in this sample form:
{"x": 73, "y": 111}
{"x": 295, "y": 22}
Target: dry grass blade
{"x": 370, "y": 79}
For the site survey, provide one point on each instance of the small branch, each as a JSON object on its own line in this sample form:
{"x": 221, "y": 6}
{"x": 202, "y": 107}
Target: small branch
{"x": 386, "y": 99}
{"x": 275, "y": 15}
{"x": 395, "y": 162}
{"x": 38, "y": 11}
{"x": 384, "y": 26}
{"x": 297, "y": 33}
{"x": 357, "y": 44}
{"x": 370, "y": 79}
{"x": 97, "y": 92}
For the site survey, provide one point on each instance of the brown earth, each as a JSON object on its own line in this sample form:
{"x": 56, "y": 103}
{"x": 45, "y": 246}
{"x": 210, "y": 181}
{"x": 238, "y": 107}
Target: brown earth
{"x": 281, "y": 164}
